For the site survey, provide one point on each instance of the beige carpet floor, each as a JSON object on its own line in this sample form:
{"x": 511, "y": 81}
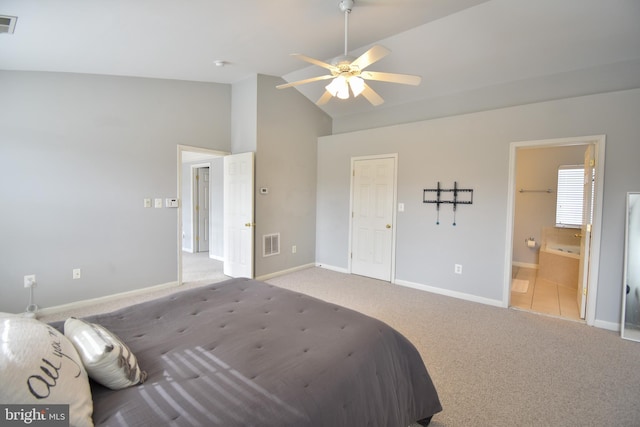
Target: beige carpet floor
{"x": 495, "y": 366}
{"x": 492, "y": 366}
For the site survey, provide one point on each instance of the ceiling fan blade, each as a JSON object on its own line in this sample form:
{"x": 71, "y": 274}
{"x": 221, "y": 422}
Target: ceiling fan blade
{"x": 314, "y": 61}
{"x": 326, "y": 96}
{"x": 374, "y": 54}
{"x": 301, "y": 82}
{"x": 372, "y": 96}
{"x": 405, "y": 79}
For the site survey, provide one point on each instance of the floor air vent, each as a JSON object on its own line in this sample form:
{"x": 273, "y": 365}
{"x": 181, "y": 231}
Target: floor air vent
{"x": 7, "y": 24}
{"x": 270, "y": 244}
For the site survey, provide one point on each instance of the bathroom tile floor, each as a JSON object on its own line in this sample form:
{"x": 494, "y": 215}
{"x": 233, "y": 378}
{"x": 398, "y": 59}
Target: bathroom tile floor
{"x": 544, "y": 296}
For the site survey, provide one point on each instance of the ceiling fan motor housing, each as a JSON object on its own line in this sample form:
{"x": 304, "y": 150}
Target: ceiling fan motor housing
{"x": 345, "y": 5}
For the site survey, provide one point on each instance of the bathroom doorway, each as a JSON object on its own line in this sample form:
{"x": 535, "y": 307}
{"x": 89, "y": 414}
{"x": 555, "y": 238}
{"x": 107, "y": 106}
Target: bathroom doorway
{"x": 548, "y": 264}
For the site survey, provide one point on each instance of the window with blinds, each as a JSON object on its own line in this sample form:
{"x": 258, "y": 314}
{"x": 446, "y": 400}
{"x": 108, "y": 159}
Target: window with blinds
{"x": 569, "y": 196}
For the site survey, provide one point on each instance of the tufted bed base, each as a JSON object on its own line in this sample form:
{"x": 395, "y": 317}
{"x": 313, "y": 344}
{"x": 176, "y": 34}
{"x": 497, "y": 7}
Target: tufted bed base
{"x": 246, "y": 353}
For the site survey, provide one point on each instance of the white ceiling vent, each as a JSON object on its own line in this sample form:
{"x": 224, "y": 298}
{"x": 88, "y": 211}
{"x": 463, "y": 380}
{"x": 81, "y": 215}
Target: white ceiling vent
{"x": 270, "y": 244}
{"x": 7, "y": 24}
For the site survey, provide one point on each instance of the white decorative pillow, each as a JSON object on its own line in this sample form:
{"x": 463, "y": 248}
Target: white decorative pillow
{"x": 40, "y": 366}
{"x": 107, "y": 359}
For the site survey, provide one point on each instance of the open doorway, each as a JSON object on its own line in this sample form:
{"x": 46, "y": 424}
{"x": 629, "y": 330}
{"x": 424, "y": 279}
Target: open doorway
{"x": 551, "y": 267}
{"x": 229, "y": 225}
{"x": 201, "y": 215}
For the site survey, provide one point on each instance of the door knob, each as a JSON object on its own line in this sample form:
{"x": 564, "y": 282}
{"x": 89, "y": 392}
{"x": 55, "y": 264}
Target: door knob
{"x": 388, "y": 225}
{"x": 249, "y": 224}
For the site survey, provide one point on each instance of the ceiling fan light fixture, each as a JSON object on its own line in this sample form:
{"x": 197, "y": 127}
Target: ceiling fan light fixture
{"x": 357, "y": 85}
{"x": 338, "y": 87}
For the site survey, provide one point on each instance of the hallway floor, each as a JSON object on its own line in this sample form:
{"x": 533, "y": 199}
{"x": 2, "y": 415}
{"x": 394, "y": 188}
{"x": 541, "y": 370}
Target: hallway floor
{"x": 528, "y": 292}
{"x": 199, "y": 268}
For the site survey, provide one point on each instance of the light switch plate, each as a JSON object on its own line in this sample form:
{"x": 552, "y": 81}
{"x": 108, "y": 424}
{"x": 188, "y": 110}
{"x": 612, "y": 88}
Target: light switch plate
{"x": 157, "y": 203}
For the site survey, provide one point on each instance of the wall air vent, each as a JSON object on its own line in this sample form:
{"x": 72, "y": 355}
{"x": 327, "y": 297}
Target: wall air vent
{"x": 270, "y": 244}
{"x": 7, "y": 24}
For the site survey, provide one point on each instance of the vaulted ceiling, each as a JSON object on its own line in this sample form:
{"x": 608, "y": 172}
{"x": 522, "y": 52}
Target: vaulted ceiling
{"x": 457, "y": 46}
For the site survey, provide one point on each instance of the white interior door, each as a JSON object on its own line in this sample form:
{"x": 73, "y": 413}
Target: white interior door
{"x": 587, "y": 218}
{"x": 372, "y": 217}
{"x": 238, "y": 215}
{"x": 202, "y": 209}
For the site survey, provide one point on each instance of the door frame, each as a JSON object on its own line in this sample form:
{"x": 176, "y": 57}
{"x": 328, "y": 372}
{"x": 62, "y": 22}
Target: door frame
{"x": 394, "y": 156}
{"x": 594, "y": 262}
{"x": 179, "y": 150}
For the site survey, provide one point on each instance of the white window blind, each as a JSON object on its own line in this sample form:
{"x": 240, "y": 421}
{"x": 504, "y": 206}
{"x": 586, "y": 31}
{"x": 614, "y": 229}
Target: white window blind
{"x": 569, "y": 196}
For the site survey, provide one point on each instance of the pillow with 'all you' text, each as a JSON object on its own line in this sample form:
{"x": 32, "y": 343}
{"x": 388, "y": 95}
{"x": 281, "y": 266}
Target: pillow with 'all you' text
{"x": 40, "y": 366}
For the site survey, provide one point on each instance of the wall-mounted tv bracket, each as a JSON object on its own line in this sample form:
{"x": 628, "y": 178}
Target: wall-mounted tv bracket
{"x": 460, "y": 196}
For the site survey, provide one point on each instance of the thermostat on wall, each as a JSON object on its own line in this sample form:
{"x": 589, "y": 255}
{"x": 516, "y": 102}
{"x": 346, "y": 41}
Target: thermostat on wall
{"x": 171, "y": 203}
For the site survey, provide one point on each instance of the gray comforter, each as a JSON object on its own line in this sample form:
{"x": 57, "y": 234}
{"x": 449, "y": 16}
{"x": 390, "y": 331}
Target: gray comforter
{"x": 245, "y": 353}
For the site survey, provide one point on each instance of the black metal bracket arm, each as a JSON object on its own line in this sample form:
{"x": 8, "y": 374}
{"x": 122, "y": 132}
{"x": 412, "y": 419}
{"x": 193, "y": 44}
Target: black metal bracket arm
{"x": 460, "y": 196}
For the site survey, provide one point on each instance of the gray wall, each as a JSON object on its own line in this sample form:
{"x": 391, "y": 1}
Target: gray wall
{"x": 216, "y": 176}
{"x": 473, "y": 149}
{"x": 288, "y": 128}
{"x": 78, "y": 154}
{"x": 282, "y": 127}
{"x": 537, "y": 169}
{"x": 244, "y": 111}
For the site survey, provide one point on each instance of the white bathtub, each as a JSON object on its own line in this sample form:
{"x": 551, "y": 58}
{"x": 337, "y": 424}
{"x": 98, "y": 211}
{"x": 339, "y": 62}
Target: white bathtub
{"x": 563, "y": 250}
{"x": 559, "y": 264}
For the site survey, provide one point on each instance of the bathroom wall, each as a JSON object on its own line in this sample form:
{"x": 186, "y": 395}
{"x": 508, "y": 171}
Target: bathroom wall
{"x": 537, "y": 169}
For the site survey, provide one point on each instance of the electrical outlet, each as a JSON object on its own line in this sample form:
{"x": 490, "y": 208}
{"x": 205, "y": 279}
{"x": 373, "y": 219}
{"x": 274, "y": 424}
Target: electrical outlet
{"x": 457, "y": 269}
{"x": 77, "y": 273}
{"x": 30, "y": 281}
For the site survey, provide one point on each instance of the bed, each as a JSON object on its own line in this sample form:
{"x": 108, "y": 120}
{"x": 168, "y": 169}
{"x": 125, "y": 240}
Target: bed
{"x": 245, "y": 353}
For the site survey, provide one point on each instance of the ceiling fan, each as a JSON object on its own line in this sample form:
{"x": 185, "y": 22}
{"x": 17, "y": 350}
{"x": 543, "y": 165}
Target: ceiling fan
{"x": 348, "y": 73}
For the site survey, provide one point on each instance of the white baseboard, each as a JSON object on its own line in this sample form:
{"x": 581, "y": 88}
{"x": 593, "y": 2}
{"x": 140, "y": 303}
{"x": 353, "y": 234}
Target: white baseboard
{"x": 449, "y": 293}
{"x": 283, "y": 272}
{"x": 333, "y": 268}
{"x": 610, "y": 326}
{"x": 107, "y": 298}
{"x": 217, "y": 258}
